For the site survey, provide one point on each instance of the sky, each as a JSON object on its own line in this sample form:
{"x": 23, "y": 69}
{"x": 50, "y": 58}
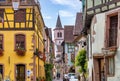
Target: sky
{"x": 67, "y": 10}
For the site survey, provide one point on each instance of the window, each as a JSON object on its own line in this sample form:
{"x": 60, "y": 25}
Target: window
{"x": 2, "y": 0}
{"x": 59, "y": 34}
{"x": 113, "y": 31}
{"x": 20, "y": 72}
{"x": 1, "y": 70}
{"x": 1, "y": 15}
{"x": 1, "y": 41}
{"x": 20, "y": 15}
{"x": 22, "y": 0}
{"x": 111, "y": 66}
{"x": 70, "y": 48}
{"x": 72, "y": 57}
{"x": 20, "y": 41}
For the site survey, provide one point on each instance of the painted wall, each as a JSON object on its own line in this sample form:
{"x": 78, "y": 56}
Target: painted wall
{"x": 10, "y": 57}
{"x": 69, "y": 63}
{"x": 58, "y": 40}
{"x": 97, "y": 37}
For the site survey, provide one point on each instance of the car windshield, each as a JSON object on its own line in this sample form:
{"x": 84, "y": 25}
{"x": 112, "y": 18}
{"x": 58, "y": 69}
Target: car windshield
{"x": 71, "y": 74}
{"x": 75, "y": 77}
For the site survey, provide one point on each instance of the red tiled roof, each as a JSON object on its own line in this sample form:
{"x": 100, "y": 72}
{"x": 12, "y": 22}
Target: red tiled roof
{"x": 78, "y": 24}
{"x": 68, "y": 33}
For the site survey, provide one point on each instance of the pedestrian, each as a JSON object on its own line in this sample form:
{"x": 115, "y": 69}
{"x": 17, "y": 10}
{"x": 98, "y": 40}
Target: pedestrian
{"x": 57, "y": 75}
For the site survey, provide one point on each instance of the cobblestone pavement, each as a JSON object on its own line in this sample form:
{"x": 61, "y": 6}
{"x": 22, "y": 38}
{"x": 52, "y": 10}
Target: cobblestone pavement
{"x": 58, "y": 79}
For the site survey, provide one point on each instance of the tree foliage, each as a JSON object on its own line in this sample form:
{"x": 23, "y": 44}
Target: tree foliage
{"x": 81, "y": 61}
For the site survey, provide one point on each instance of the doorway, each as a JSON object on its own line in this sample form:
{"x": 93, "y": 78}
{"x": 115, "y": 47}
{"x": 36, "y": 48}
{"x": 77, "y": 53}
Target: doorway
{"x": 20, "y": 72}
{"x": 99, "y": 69}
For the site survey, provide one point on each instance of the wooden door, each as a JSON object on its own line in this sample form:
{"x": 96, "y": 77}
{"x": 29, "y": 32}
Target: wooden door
{"x": 20, "y": 72}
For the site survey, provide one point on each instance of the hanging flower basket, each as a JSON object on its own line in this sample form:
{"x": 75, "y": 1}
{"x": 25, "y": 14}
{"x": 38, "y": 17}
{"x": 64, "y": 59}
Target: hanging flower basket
{"x": 1, "y": 52}
{"x": 44, "y": 57}
{"x": 20, "y": 51}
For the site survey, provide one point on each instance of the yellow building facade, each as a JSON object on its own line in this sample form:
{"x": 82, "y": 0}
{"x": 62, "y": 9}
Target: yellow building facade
{"x": 21, "y": 41}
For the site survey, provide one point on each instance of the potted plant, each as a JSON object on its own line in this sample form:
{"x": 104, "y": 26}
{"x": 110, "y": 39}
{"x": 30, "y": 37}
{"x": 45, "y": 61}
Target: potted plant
{"x": 37, "y": 79}
{"x": 44, "y": 57}
{"x": 40, "y": 78}
{"x": 20, "y": 51}
{"x": 1, "y": 52}
{"x": 43, "y": 79}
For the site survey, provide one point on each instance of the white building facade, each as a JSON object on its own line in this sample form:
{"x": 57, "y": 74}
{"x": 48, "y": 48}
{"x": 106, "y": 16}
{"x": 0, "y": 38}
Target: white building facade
{"x": 104, "y": 46}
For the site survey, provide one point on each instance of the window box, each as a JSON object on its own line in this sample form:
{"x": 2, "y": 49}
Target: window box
{"x": 113, "y": 48}
{"x": 20, "y": 51}
{"x": 1, "y": 52}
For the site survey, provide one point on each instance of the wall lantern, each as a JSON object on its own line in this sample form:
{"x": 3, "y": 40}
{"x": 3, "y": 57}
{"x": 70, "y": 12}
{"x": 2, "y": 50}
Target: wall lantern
{"x": 15, "y": 4}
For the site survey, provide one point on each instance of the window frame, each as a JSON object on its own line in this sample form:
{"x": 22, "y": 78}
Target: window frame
{"x": 2, "y": 42}
{"x": 24, "y": 40}
{"x": 20, "y": 64}
{"x": 108, "y": 15}
{"x": 3, "y": 1}
{"x": 22, "y": 0}
{"x": 70, "y": 47}
{"x": 2, "y": 70}
{"x": 109, "y": 66}
{"x": 60, "y": 34}
{"x": 2, "y": 15}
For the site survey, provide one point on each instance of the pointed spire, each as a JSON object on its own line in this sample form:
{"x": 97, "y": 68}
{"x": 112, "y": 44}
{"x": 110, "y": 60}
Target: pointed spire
{"x": 58, "y": 24}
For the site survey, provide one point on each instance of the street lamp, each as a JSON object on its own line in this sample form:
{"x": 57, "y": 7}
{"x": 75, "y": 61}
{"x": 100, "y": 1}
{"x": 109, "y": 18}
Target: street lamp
{"x": 105, "y": 53}
{"x": 15, "y": 4}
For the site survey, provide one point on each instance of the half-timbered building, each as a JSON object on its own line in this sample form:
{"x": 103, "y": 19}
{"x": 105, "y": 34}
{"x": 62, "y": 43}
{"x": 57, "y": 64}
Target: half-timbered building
{"x": 101, "y": 22}
{"x": 21, "y": 40}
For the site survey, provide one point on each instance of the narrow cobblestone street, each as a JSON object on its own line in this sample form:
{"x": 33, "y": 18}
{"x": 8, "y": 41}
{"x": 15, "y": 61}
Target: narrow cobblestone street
{"x": 58, "y": 79}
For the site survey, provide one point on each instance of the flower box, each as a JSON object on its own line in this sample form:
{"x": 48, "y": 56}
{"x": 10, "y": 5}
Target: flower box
{"x": 20, "y": 51}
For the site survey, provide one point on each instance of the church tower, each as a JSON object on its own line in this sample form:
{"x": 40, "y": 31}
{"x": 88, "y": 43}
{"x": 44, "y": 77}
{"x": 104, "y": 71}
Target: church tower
{"x": 58, "y": 32}
{"x": 58, "y": 39}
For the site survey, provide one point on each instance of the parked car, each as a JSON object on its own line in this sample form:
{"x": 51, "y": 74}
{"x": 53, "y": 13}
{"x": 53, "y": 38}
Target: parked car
{"x": 73, "y": 78}
{"x": 65, "y": 78}
{"x": 70, "y": 74}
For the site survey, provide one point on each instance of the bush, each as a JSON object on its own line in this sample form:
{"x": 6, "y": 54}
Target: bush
{"x": 48, "y": 71}
{"x": 81, "y": 61}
